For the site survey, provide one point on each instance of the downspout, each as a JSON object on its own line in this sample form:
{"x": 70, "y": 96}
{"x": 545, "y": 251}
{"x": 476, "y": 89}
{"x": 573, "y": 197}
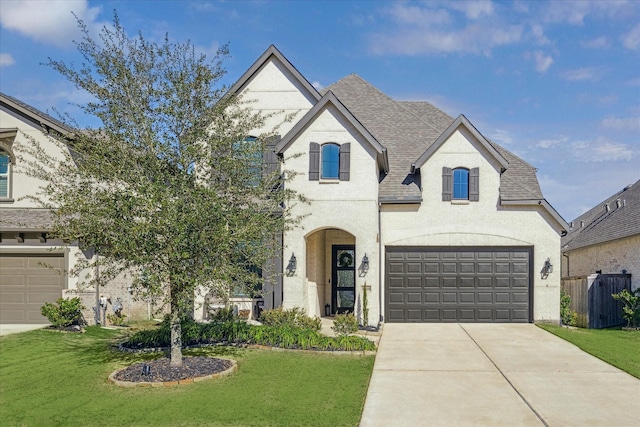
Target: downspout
{"x": 380, "y": 315}
{"x": 568, "y": 267}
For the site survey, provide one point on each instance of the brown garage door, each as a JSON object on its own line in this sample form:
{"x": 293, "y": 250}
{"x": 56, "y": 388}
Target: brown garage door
{"x": 425, "y": 284}
{"x": 26, "y": 284}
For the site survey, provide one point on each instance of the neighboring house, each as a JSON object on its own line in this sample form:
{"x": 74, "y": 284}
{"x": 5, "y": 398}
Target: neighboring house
{"x": 434, "y": 220}
{"x": 606, "y": 238}
{"x": 32, "y": 265}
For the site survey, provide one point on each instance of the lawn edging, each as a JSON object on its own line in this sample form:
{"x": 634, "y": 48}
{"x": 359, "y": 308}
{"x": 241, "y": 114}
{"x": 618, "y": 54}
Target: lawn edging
{"x": 129, "y": 384}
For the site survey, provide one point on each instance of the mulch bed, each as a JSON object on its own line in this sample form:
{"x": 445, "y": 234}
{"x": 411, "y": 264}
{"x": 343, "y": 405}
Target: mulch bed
{"x": 160, "y": 371}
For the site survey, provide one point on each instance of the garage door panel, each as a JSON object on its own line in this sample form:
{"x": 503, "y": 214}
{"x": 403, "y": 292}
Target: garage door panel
{"x": 414, "y": 282}
{"x": 448, "y": 285}
{"x": 26, "y": 283}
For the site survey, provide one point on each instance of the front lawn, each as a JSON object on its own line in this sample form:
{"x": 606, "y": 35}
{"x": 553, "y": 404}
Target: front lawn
{"x": 614, "y": 346}
{"x": 51, "y": 378}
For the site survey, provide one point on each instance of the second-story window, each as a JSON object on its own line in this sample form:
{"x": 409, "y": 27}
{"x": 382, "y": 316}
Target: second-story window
{"x": 330, "y": 161}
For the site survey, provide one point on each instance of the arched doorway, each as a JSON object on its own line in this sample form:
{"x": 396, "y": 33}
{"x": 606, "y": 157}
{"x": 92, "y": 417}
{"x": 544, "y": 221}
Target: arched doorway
{"x": 330, "y": 271}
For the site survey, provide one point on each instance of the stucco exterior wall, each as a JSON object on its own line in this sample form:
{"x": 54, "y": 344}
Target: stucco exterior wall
{"x": 482, "y": 223}
{"x": 610, "y": 257}
{"x": 276, "y": 94}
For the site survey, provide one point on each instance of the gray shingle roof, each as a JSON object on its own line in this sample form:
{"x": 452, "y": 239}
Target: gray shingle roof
{"x": 600, "y": 225}
{"x": 25, "y": 219}
{"x": 407, "y": 129}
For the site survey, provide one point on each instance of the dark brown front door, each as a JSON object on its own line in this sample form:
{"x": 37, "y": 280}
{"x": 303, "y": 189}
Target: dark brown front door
{"x": 343, "y": 278}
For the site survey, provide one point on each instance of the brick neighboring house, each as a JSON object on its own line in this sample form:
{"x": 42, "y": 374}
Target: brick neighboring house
{"x": 26, "y": 250}
{"x": 435, "y": 221}
{"x": 606, "y": 238}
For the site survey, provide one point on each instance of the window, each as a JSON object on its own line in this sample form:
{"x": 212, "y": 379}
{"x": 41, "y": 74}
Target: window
{"x": 5, "y": 175}
{"x": 461, "y": 184}
{"x": 330, "y": 161}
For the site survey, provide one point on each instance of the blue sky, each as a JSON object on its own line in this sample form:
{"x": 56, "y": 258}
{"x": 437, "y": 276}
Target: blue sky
{"x": 557, "y": 83}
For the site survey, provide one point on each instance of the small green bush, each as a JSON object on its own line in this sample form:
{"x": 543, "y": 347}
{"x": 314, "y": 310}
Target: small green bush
{"x": 631, "y": 309}
{"x": 116, "y": 320}
{"x": 345, "y": 324}
{"x": 65, "y": 312}
{"x": 567, "y": 316}
{"x": 222, "y": 315}
{"x": 295, "y": 317}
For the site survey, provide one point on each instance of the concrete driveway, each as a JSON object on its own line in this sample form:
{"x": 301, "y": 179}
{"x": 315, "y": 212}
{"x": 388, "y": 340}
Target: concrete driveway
{"x": 493, "y": 375}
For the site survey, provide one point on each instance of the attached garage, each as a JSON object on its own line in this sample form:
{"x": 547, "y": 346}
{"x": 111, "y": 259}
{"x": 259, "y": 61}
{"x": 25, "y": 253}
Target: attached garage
{"x": 442, "y": 284}
{"x": 26, "y": 283}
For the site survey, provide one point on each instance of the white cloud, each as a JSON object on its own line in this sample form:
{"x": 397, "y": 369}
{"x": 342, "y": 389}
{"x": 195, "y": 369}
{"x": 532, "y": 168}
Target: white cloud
{"x": 591, "y": 74}
{"x": 317, "y": 85}
{"x": 627, "y": 123}
{"x": 601, "y": 42}
{"x": 502, "y": 137}
{"x": 575, "y": 12}
{"x": 542, "y": 61}
{"x": 6, "y": 59}
{"x": 548, "y": 143}
{"x": 473, "y": 9}
{"x": 50, "y": 22}
{"x": 537, "y": 31}
{"x": 631, "y": 40}
{"x": 431, "y": 29}
{"x": 601, "y": 150}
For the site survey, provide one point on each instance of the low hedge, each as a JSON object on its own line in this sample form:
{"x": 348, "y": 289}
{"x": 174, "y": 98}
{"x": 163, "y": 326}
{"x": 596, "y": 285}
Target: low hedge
{"x": 242, "y": 333}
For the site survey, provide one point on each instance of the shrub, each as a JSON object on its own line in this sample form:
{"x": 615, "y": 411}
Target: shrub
{"x": 238, "y": 332}
{"x": 345, "y": 324}
{"x": 631, "y": 309}
{"x": 295, "y": 317}
{"x": 221, "y": 315}
{"x": 567, "y": 316}
{"x": 67, "y": 312}
{"x": 117, "y": 320}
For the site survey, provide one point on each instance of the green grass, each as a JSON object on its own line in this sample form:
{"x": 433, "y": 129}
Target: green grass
{"x": 57, "y": 379}
{"x": 616, "y": 347}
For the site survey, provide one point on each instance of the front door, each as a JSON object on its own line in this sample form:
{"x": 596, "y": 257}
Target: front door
{"x": 343, "y": 278}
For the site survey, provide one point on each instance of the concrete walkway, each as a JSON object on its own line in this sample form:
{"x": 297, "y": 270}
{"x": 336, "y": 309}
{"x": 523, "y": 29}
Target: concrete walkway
{"x": 493, "y": 375}
{"x": 15, "y": 329}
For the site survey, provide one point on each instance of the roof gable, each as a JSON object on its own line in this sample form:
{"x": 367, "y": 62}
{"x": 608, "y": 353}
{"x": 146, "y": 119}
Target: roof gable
{"x": 461, "y": 121}
{"x": 330, "y": 99}
{"x": 272, "y": 51}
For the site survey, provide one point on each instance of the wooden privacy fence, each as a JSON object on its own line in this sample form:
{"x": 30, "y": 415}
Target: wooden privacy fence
{"x": 591, "y": 298}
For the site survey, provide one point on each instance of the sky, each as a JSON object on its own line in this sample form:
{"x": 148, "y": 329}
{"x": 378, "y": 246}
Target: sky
{"x": 555, "y": 82}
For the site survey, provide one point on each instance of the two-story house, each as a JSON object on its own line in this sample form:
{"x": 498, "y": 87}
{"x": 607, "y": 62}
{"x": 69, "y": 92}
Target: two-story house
{"x": 418, "y": 209}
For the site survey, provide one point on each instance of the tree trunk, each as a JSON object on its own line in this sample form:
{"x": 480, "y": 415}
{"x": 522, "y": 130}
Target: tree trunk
{"x": 176, "y": 333}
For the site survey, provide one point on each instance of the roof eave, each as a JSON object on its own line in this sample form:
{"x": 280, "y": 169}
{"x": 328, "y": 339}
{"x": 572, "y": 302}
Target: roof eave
{"x": 272, "y": 51}
{"x": 461, "y": 120}
{"x": 41, "y": 119}
{"x": 540, "y": 202}
{"x": 330, "y": 98}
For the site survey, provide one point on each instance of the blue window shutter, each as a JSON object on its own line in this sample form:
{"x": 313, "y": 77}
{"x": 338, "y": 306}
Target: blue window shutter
{"x": 474, "y": 185}
{"x": 447, "y": 184}
{"x": 345, "y": 161}
{"x": 314, "y": 161}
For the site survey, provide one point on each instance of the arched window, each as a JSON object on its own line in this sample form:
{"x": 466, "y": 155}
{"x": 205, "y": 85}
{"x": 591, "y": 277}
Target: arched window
{"x": 461, "y": 184}
{"x": 330, "y": 161}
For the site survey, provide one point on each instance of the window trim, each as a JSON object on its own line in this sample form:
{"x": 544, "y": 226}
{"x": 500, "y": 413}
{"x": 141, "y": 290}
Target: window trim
{"x": 460, "y": 184}
{"x": 336, "y": 162}
{"x": 9, "y": 174}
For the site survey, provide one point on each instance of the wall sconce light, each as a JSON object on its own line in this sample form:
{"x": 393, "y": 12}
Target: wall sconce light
{"x": 364, "y": 266}
{"x": 547, "y": 268}
{"x": 291, "y": 267}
